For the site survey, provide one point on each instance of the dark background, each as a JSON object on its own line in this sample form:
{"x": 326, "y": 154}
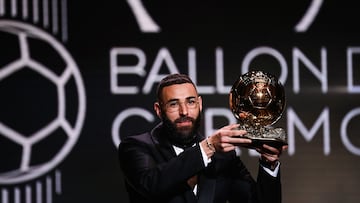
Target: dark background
{"x": 91, "y": 173}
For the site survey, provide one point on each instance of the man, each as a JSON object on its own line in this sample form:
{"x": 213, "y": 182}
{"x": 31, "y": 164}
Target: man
{"x": 175, "y": 163}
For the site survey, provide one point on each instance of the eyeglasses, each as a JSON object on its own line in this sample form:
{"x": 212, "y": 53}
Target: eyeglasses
{"x": 174, "y": 105}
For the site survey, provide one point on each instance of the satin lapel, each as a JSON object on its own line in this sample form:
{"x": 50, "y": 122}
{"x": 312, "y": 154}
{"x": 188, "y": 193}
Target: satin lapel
{"x": 163, "y": 146}
{"x": 166, "y": 151}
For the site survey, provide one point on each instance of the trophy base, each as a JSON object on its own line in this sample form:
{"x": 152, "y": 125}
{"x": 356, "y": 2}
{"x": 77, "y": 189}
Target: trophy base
{"x": 259, "y": 142}
{"x": 274, "y": 137}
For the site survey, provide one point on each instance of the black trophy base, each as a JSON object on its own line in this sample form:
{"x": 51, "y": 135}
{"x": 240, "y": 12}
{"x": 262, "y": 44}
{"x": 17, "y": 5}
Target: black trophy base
{"x": 273, "y": 142}
{"x": 274, "y": 137}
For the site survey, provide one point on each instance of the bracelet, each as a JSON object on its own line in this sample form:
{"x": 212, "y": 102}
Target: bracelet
{"x": 210, "y": 146}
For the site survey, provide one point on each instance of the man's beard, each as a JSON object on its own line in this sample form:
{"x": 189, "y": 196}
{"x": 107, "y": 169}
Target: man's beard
{"x": 182, "y": 136}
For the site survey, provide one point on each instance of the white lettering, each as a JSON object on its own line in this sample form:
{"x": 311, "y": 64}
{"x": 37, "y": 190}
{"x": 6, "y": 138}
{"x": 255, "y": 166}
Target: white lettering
{"x": 193, "y": 74}
{"x": 115, "y": 69}
{"x": 293, "y": 120}
{"x": 164, "y": 58}
{"x": 321, "y": 75}
{"x": 123, "y": 116}
{"x": 309, "y": 16}
{"x": 349, "y": 54}
{"x": 144, "y": 20}
{"x": 154, "y": 76}
{"x": 344, "y": 136}
{"x": 221, "y": 88}
{"x": 270, "y": 51}
{"x": 210, "y": 113}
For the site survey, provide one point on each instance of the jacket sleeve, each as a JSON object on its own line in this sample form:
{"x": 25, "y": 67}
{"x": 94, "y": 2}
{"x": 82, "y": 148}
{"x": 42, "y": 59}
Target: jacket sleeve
{"x": 268, "y": 187}
{"x": 151, "y": 174}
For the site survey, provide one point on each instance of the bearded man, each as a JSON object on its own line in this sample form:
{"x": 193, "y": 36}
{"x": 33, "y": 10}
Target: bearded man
{"x": 175, "y": 163}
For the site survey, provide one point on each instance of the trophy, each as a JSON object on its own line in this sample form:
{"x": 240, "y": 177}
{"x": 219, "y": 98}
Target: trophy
{"x": 257, "y": 100}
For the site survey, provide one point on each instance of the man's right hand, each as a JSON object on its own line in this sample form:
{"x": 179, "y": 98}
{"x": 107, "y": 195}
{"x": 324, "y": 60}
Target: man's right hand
{"x": 228, "y": 137}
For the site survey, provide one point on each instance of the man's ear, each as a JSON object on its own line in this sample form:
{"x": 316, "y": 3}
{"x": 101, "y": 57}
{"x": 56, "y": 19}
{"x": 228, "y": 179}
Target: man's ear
{"x": 200, "y": 102}
{"x": 157, "y": 109}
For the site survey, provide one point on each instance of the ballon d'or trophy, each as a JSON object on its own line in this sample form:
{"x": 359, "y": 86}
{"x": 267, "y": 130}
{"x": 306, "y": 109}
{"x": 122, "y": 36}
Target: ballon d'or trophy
{"x": 257, "y": 100}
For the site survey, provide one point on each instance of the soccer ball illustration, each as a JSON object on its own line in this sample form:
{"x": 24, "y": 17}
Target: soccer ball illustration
{"x": 260, "y": 96}
{"x": 42, "y": 102}
{"x": 257, "y": 98}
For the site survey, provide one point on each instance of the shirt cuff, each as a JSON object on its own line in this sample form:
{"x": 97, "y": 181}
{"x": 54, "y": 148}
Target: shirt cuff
{"x": 206, "y": 160}
{"x": 273, "y": 173}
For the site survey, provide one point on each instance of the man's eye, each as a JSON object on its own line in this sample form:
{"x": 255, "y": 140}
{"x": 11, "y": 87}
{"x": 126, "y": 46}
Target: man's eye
{"x": 173, "y": 104}
{"x": 191, "y": 101}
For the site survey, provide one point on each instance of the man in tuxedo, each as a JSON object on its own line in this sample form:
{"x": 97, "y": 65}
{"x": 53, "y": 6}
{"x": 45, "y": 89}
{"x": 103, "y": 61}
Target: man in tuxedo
{"x": 175, "y": 163}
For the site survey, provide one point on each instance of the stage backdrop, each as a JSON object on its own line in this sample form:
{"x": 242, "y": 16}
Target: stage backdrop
{"x": 78, "y": 76}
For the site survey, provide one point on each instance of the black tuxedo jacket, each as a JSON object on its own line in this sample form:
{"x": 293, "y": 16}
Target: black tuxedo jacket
{"x": 154, "y": 173}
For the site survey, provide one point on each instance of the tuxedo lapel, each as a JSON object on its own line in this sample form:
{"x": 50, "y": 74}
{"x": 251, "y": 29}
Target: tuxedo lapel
{"x": 167, "y": 152}
{"x": 162, "y": 144}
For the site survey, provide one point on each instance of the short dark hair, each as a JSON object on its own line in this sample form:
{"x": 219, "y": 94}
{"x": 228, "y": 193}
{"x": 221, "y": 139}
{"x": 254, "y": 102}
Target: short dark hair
{"x": 172, "y": 79}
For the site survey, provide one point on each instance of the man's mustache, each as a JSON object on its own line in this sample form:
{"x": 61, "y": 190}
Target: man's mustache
{"x": 184, "y": 119}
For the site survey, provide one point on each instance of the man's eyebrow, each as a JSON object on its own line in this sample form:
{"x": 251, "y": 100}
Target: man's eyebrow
{"x": 170, "y": 100}
{"x": 192, "y": 97}
{"x": 176, "y": 99}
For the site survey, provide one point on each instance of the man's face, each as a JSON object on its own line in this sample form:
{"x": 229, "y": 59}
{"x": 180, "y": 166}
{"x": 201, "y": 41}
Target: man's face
{"x": 180, "y": 110}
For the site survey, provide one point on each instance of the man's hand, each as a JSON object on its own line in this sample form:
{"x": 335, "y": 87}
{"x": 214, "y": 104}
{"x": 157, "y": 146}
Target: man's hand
{"x": 227, "y": 138}
{"x": 269, "y": 156}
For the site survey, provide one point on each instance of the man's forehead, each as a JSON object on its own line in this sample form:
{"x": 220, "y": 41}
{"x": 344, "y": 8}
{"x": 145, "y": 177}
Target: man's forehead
{"x": 179, "y": 91}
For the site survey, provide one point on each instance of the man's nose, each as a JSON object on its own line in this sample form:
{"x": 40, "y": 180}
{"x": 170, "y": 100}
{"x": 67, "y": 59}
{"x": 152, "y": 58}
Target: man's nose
{"x": 183, "y": 110}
